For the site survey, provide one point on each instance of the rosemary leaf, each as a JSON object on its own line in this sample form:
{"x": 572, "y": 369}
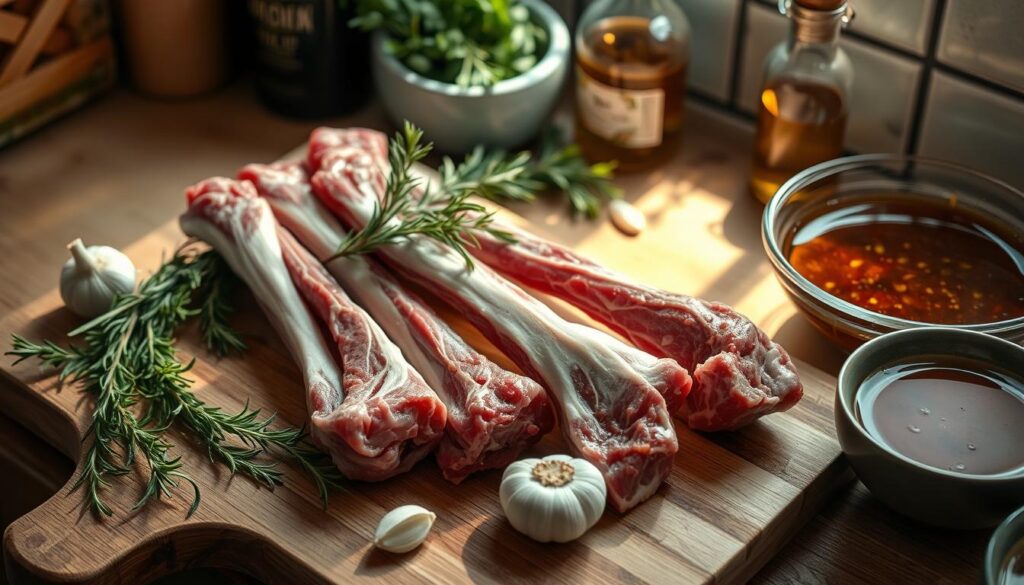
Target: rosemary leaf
{"x": 128, "y": 360}
{"x": 499, "y": 176}
{"x": 446, "y": 214}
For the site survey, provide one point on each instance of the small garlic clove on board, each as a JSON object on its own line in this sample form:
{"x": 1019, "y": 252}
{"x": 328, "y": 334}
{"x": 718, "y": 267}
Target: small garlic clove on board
{"x": 403, "y": 528}
{"x": 626, "y": 217}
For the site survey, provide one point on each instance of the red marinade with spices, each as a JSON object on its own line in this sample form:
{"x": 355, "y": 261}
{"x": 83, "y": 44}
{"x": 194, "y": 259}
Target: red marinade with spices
{"x": 913, "y": 260}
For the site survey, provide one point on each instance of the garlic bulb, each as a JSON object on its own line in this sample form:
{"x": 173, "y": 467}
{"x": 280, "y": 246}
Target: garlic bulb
{"x": 403, "y": 528}
{"x": 93, "y": 276}
{"x": 556, "y": 498}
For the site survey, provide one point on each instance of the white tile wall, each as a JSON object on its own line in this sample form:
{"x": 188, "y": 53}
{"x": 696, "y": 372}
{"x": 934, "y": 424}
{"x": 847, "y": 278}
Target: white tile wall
{"x": 882, "y": 101}
{"x": 986, "y": 38}
{"x": 967, "y": 121}
{"x": 903, "y": 23}
{"x": 974, "y": 126}
{"x": 713, "y": 26}
{"x": 882, "y": 104}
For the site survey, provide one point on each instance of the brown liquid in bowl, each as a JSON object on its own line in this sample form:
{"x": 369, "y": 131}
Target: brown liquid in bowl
{"x": 913, "y": 260}
{"x": 954, "y": 415}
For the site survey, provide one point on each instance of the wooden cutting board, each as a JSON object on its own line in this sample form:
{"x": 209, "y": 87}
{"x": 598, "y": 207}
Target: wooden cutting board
{"x": 732, "y": 501}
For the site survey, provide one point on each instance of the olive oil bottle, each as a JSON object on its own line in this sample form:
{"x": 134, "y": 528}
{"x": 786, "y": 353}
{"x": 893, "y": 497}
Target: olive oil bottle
{"x": 804, "y": 100}
{"x": 631, "y": 58}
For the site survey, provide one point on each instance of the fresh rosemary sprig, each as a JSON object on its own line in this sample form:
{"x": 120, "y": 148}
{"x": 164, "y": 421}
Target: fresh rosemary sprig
{"x": 214, "y": 311}
{"x": 446, "y": 215}
{"x": 129, "y": 364}
{"x": 564, "y": 169}
{"x": 498, "y": 175}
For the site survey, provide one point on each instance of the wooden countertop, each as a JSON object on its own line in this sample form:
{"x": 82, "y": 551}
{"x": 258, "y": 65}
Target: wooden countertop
{"x": 116, "y": 170}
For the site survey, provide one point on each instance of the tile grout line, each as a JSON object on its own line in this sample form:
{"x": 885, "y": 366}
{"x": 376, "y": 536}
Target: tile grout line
{"x": 718, "y": 105}
{"x": 924, "y": 83}
{"x": 974, "y": 79}
{"x": 739, "y": 43}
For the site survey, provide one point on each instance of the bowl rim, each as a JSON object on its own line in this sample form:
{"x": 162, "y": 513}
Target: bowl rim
{"x": 555, "y": 56}
{"x": 847, "y": 399}
{"x": 992, "y": 563}
{"x": 832, "y": 302}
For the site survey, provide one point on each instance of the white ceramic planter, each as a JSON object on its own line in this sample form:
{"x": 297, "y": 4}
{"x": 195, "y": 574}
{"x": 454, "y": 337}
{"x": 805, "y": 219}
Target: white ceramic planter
{"x": 505, "y": 115}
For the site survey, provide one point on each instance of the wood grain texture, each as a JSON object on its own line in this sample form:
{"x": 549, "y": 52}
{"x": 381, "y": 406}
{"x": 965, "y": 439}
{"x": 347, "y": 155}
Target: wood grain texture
{"x": 731, "y": 503}
{"x": 11, "y": 26}
{"x": 52, "y": 76}
{"x": 31, "y": 43}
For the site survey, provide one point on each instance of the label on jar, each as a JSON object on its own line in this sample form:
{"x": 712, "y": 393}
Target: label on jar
{"x": 631, "y": 118}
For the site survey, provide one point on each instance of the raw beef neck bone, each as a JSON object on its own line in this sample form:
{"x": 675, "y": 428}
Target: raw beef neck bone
{"x": 493, "y": 414}
{"x": 608, "y": 393}
{"x": 228, "y": 215}
{"x": 739, "y": 373}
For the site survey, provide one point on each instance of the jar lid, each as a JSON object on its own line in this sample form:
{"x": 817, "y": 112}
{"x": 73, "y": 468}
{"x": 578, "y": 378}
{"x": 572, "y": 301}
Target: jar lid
{"x": 821, "y": 4}
{"x": 819, "y": 20}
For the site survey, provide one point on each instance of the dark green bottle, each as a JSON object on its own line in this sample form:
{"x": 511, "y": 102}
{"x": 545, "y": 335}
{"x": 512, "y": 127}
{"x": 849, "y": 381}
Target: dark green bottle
{"x": 308, "y": 62}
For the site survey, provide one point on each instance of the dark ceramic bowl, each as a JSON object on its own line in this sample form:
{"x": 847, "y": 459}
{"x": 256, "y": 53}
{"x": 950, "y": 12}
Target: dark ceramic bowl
{"x": 849, "y": 181}
{"x": 934, "y": 496}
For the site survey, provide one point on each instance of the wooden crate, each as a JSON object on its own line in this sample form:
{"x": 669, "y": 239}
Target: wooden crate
{"x": 52, "y": 57}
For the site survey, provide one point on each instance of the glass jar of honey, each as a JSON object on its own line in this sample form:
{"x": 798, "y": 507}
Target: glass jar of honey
{"x": 631, "y": 58}
{"x": 804, "y": 99}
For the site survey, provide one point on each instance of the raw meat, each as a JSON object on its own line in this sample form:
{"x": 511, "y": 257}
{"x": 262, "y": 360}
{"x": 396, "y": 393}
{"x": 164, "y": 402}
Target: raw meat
{"x": 739, "y": 374}
{"x": 325, "y": 139}
{"x": 493, "y": 414}
{"x": 378, "y": 417}
{"x": 609, "y": 395}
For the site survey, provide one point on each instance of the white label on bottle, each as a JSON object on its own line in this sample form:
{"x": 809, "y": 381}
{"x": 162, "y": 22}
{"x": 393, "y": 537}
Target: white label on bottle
{"x": 632, "y": 118}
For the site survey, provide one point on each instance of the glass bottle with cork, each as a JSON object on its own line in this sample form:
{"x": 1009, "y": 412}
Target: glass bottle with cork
{"x": 631, "y": 58}
{"x": 804, "y": 100}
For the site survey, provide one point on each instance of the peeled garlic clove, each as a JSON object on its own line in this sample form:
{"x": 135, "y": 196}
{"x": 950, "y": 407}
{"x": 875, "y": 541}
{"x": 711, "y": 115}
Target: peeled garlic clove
{"x": 403, "y": 528}
{"x": 627, "y": 218}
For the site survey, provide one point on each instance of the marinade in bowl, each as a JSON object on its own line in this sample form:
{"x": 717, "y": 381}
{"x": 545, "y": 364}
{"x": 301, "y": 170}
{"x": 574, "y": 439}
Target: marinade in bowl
{"x": 870, "y": 244}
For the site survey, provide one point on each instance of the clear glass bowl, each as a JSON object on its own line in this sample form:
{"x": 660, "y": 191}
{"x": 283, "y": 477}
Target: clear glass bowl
{"x": 851, "y": 180}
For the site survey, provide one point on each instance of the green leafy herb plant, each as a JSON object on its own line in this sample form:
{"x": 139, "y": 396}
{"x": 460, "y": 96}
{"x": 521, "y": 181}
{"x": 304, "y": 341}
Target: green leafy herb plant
{"x": 465, "y": 42}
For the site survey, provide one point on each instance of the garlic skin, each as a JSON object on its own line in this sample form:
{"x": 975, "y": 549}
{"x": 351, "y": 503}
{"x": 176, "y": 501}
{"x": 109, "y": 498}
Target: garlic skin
{"x": 93, "y": 276}
{"x": 554, "y": 499}
{"x": 403, "y": 528}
